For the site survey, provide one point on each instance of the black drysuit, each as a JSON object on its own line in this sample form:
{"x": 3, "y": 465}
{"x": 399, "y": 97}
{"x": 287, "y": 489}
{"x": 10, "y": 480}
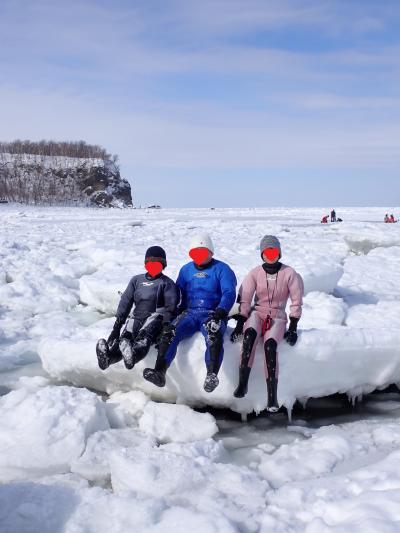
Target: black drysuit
{"x": 155, "y": 300}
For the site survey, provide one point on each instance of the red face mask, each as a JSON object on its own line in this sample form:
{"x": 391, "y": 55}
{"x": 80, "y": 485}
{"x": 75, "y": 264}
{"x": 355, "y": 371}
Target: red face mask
{"x": 271, "y": 254}
{"x": 153, "y": 268}
{"x": 199, "y": 255}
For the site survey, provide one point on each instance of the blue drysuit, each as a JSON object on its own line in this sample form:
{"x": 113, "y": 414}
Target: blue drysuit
{"x": 203, "y": 289}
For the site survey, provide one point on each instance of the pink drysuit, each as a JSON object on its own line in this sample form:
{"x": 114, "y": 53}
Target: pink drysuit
{"x": 271, "y": 293}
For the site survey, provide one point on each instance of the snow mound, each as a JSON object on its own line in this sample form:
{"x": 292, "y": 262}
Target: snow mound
{"x": 176, "y": 423}
{"x": 235, "y": 493}
{"x": 43, "y": 431}
{"x": 321, "y": 278}
{"x": 52, "y": 506}
{"x": 370, "y": 278}
{"x": 330, "y": 449}
{"x": 94, "y": 464}
{"x": 366, "y": 498}
{"x": 322, "y": 310}
{"x": 384, "y": 314}
{"x": 102, "y": 296}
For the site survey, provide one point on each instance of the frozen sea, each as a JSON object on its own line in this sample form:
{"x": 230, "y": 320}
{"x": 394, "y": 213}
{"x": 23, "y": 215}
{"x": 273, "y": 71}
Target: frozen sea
{"x": 83, "y": 450}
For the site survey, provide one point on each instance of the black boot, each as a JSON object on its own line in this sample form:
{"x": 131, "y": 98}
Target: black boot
{"x": 250, "y": 337}
{"x": 135, "y": 350}
{"x": 103, "y": 354}
{"x": 211, "y": 382}
{"x": 156, "y": 375}
{"x": 270, "y": 348}
{"x": 215, "y": 344}
{"x": 241, "y": 389}
{"x": 128, "y": 353}
{"x": 272, "y": 385}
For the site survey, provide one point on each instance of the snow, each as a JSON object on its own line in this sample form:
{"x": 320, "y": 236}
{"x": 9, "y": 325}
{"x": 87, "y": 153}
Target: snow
{"x": 197, "y": 483}
{"x": 48, "y": 161}
{"x": 94, "y": 463}
{"x": 126, "y": 456}
{"x": 41, "y": 432}
{"x": 73, "y": 290}
{"x": 176, "y": 423}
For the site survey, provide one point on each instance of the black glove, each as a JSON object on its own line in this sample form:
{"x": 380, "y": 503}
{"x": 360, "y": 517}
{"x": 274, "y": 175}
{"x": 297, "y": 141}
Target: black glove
{"x": 168, "y": 331}
{"x": 213, "y": 323}
{"x": 116, "y": 330}
{"x": 291, "y": 334}
{"x": 219, "y": 314}
{"x": 238, "y": 331}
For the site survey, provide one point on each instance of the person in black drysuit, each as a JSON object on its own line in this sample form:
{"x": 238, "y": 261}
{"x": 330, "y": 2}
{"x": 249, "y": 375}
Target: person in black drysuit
{"x": 333, "y": 215}
{"x": 155, "y": 298}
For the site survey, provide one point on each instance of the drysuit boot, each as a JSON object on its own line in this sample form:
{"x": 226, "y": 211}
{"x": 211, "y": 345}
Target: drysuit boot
{"x": 103, "y": 354}
{"x": 136, "y": 350}
{"x": 272, "y": 385}
{"x": 128, "y": 353}
{"x": 211, "y": 382}
{"x": 215, "y": 343}
{"x": 249, "y": 339}
{"x": 241, "y": 389}
{"x": 156, "y": 375}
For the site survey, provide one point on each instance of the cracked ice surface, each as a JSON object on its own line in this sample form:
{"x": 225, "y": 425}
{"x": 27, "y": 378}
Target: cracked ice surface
{"x": 73, "y": 460}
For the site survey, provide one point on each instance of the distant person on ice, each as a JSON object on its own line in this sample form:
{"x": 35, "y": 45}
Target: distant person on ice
{"x": 155, "y": 297}
{"x": 333, "y": 215}
{"x": 208, "y": 291}
{"x": 324, "y": 220}
{"x": 272, "y": 283}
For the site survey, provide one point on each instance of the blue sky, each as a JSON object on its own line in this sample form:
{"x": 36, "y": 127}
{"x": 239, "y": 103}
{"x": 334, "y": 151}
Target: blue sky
{"x": 218, "y": 102}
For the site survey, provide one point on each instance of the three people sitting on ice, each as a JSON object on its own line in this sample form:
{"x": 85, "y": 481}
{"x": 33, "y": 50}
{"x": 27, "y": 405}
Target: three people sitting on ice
{"x": 155, "y": 297}
{"x": 208, "y": 292}
{"x": 207, "y": 289}
{"x": 270, "y": 285}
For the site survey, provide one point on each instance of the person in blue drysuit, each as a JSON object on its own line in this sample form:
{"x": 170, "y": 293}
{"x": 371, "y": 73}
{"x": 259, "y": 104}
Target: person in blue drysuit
{"x": 208, "y": 291}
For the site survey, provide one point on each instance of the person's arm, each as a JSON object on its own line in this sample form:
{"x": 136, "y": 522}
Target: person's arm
{"x": 228, "y": 282}
{"x": 126, "y": 302}
{"x": 171, "y": 300}
{"x": 181, "y": 284}
{"x": 296, "y": 293}
{"x": 246, "y": 293}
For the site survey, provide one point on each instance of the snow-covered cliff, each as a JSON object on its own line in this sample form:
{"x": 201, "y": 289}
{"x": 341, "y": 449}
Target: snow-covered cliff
{"x": 44, "y": 179}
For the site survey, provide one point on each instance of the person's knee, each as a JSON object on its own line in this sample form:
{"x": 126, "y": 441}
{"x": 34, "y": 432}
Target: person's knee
{"x": 270, "y": 346}
{"x": 250, "y": 335}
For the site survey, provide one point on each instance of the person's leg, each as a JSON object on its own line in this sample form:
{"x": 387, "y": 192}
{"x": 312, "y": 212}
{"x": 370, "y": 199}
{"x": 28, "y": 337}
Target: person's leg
{"x": 136, "y": 348}
{"x": 252, "y": 330}
{"x": 147, "y": 336}
{"x": 272, "y": 338}
{"x": 214, "y": 352}
{"x": 110, "y": 354}
{"x": 186, "y": 326}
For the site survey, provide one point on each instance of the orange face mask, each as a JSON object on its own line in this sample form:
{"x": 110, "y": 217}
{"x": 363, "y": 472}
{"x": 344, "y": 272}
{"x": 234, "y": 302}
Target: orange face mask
{"x": 153, "y": 268}
{"x": 199, "y": 255}
{"x": 271, "y": 254}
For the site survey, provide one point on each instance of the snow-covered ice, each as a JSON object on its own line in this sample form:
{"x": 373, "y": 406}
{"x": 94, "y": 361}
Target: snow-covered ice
{"x": 117, "y": 457}
{"x": 43, "y": 431}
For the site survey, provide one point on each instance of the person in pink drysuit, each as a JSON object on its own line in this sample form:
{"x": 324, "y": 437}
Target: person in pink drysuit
{"x": 271, "y": 284}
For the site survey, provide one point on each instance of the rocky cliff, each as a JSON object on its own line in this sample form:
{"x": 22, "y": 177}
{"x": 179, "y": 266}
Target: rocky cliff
{"x": 52, "y": 179}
